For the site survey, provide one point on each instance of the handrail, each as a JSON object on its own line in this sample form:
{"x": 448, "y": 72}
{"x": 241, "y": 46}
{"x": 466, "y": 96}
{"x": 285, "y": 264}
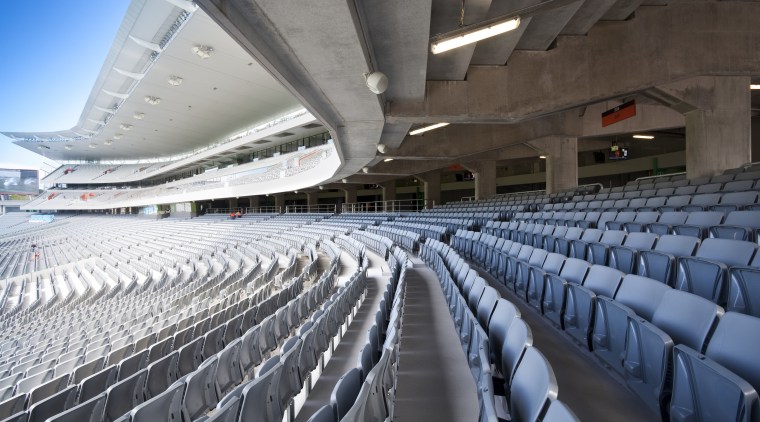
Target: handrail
{"x": 399, "y": 205}
{"x": 318, "y": 208}
{"x": 661, "y": 175}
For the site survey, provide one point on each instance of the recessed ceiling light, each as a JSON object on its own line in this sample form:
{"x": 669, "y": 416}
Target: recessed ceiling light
{"x": 754, "y": 86}
{"x": 118, "y": 136}
{"x": 93, "y": 146}
{"x": 203, "y": 51}
{"x": 108, "y": 142}
{"x": 427, "y": 128}
{"x": 388, "y": 160}
{"x": 543, "y": 157}
{"x": 138, "y": 115}
{"x": 643, "y": 136}
{"x": 152, "y": 100}
{"x": 125, "y": 126}
{"x": 175, "y": 80}
{"x": 67, "y": 147}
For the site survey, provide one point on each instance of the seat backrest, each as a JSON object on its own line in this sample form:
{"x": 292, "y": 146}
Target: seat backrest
{"x": 603, "y": 280}
{"x": 749, "y": 175}
{"x": 739, "y": 198}
{"x": 645, "y": 217}
{"x": 612, "y": 237}
{"x": 728, "y": 251}
{"x": 722, "y": 178}
{"x": 525, "y": 253}
{"x": 673, "y": 217}
{"x": 574, "y": 233}
{"x": 345, "y": 392}
{"x": 163, "y": 407}
{"x": 500, "y": 322}
{"x": 592, "y": 235}
{"x": 709, "y": 188}
{"x": 559, "y": 412}
{"x": 125, "y": 395}
{"x": 704, "y": 218}
{"x": 553, "y": 263}
{"x": 734, "y": 347}
{"x": 640, "y": 240}
{"x": 743, "y": 218}
{"x": 486, "y": 305}
{"x": 533, "y": 387}
{"x": 687, "y": 318}
{"x": 574, "y": 270}
{"x": 705, "y": 199}
{"x": 642, "y": 294}
{"x": 89, "y": 411}
{"x": 677, "y": 245}
{"x": 625, "y": 216}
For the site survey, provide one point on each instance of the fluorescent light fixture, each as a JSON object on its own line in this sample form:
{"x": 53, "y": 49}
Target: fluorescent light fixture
{"x": 643, "y": 137}
{"x": 387, "y": 160}
{"x": 152, "y": 100}
{"x": 125, "y": 126}
{"x": 117, "y": 136}
{"x": 175, "y": 80}
{"x": 754, "y": 86}
{"x": 203, "y": 51}
{"x": 138, "y": 115}
{"x": 543, "y": 157}
{"x": 473, "y": 33}
{"x": 427, "y": 128}
{"x": 67, "y": 147}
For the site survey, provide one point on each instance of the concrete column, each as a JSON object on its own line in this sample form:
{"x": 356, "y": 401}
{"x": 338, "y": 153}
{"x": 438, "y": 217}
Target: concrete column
{"x": 719, "y": 132}
{"x": 485, "y": 177}
{"x": 432, "y": 187}
{"x": 349, "y": 195}
{"x": 232, "y": 203}
{"x": 312, "y": 198}
{"x": 254, "y": 202}
{"x": 561, "y": 161}
{"x": 279, "y": 201}
{"x": 389, "y": 190}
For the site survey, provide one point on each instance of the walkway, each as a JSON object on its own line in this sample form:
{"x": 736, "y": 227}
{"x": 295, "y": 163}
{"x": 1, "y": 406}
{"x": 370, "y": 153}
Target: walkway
{"x": 434, "y": 380}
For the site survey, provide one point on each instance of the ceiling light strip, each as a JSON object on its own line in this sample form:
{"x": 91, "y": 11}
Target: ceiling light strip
{"x": 427, "y": 128}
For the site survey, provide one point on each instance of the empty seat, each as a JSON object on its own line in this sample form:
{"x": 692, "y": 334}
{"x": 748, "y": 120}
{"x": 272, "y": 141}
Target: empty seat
{"x": 53, "y": 405}
{"x": 559, "y": 412}
{"x": 665, "y": 223}
{"x": 533, "y": 387}
{"x": 256, "y": 401}
{"x": 625, "y": 257}
{"x": 161, "y": 374}
{"x": 734, "y": 201}
{"x": 721, "y": 384}
{"x": 166, "y": 406}
{"x": 680, "y": 318}
{"x": 97, "y": 383}
{"x": 345, "y": 392}
{"x": 534, "y": 290}
{"x": 705, "y": 273}
{"x": 660, "y": 263}
{"x": 89, "y": 411}
{"x": 125, "y": 395}
{"x": 598, "y": 252}
{"x": 573, "y": 271}
{"x": 744, "y": 288}
{"x": 578, "y": 248}
{"x": 48, "y": 389}
{"x": 581, "y": 299}
{"x": 702, "y": 202}
{"x": 697, "y": 223}
{"x": 620, "y": 219}
{"x": 636, "y": 296}
{"x": 201, "y": 389}
{"x": 739, "y": 225}
{"x": 27, "y": 384}
{"x": 738, "y": 186}
{"x": 537, "y": 258}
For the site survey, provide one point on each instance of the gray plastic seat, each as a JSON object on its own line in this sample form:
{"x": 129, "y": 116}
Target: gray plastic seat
{"x": 702, "y": 202}
{"x": 486, "y": 305}
{"x": 660, "y": 263}
{"x": 578, "y": 248}
{"x": 48, "y": 389}
{"x": 620, "y": 219}
{"x": 721, "y": 384}
{"x": 324, "y": 414}
{"x": 125, "y": 395}
{"x": 573, "y": 271}
{"x": 562, "y": 245}
{"x": 28, "y": 384}
{"x": 705, "y": 274}
{"x": 258, "y": 397}
{"x": 499, "y": 326}
{"x": 739, "y": 225}
{"x": 13, "y": 405}
{"x": 519, "y": 338}
{"x": 664, "y": 224}
{"x": 190, "y": 356}
{"x": 89, "y": 411}
{"x": 345, "y": 392}
{"x": 697, "y": 223}
{"x": 166, "y": 406}
{"x": 533, "y": 387}
{"x": 636, "y": 296}
{"x": 559, "y": 412}
{"x": 133, "y": 364}
{"x": 680, "y": 318}
{"x": 228, "y": 412}
{"x": 625, "y": 257}
{"x": 744, "y": 288}
{"x": 229, "y": 372}
{"x": 598, "y": 252}
{"x": 214, "y": 342}
{"x": 734, "y": 201}
{"x": 161, "y": 374}
{"x": 97, "y": 383}
{"x": 580, "y": 302}
{"x": 534, "y": 290}
{"x": 87, "y": 369}
{"x": 201, "y": 390}
{"x": 54, "y": 404}
{"x": 250, "y": 356}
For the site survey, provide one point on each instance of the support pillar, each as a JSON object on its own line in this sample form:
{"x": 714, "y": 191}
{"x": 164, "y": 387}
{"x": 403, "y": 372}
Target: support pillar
{"x": 279, "y": 201}
{"x": 232, "y": 203}
{"x": 254, "y": 202}
{"x": 561, "y": 161}
{"x": 312, "y": 198}
{"x": 432, "y": 187}
{"x": 349, "y": 195}
{"x": 485, "y": 178}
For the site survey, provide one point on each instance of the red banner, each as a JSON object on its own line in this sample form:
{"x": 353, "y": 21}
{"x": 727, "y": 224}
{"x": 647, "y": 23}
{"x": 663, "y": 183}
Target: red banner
{"x": 621, "y": 112}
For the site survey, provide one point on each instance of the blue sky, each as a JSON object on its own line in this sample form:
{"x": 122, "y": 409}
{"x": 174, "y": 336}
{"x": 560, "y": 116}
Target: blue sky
{"x": 52, "y": 53}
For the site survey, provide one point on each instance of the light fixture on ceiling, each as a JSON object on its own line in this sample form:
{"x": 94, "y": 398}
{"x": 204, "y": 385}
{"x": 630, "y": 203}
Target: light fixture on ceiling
{"x": 387, "y": 160}
{"x": 67, "y": 147}
{"x": 108, "y": 142}
{"x": 203, "y": 51}
{"x": 643, "y": 137}
{"x": 175, "y": 80}
{"x": 93, "y": 146}
{"x": 543, "y": 157}
{"x": 117, "y": 136}
{"x": 152, "y": 100}
{"x": 321, "y": 188}
{"x": 427, "y": 128}
{"x": 138, "y": 115}
{"x": 754, "y": 86}
{"x": 345, "y": 180}
{"x": 473, "y": 33}
{"x": 365, "y": 169}
{"x": 125, "y": 126}
{"x": 377, "y": 82}
{"x": 381, "y": 148}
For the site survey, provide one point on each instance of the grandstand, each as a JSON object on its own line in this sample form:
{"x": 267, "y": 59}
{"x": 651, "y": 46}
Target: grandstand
{"x": 576, "y": 236}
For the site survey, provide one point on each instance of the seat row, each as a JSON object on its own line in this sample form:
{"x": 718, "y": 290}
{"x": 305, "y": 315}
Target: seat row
{"x": 643, "y": 329}
{"x": 523, "y": 386}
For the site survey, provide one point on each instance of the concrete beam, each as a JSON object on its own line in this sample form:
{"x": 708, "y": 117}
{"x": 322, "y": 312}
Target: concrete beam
{"x": 662, "y": 45}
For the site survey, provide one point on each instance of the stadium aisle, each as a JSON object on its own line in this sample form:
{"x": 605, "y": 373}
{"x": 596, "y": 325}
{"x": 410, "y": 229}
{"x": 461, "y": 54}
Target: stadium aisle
{"x": 346, "y": 355}
{"x": 434, "y": 381}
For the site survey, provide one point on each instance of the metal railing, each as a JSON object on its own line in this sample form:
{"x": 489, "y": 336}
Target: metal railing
{"x": 319, "y": 208}
{"x": 660, "y": 175}
{"x": 401, "y": 205}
